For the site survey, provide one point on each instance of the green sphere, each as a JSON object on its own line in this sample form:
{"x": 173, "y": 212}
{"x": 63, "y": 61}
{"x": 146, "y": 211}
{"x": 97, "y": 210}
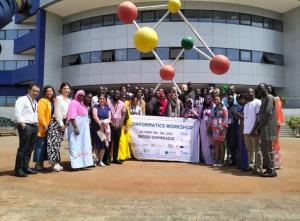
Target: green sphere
{"x": 187, "y": 43}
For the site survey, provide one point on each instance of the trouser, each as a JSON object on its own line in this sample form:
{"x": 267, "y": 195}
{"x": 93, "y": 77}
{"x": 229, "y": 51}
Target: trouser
{"x": 27, "y": 139}
{"x": 115, "y": 136}
{"x": 254, "y": 151}
{"x": 232, "y": 143}
{"x": 267, "y": 152}
{"x": 40, "y": 150}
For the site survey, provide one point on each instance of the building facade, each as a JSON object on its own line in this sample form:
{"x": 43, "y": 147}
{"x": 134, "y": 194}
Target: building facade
{"x": 85, "y": 44}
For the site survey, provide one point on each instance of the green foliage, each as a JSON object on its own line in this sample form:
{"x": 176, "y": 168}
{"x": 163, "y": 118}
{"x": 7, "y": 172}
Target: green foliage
{"x": 293, "y": 122}
{"x": 284, "y": 100}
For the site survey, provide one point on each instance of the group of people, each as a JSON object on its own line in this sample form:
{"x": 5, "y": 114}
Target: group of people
{"x": 235, "y": 129}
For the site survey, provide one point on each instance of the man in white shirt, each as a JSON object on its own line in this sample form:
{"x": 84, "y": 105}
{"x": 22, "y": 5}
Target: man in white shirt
{"x": 251, "y": 111}
{"x": 27, "y": 119}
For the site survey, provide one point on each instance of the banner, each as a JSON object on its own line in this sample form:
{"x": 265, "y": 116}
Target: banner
{"x": 165, "y": 138}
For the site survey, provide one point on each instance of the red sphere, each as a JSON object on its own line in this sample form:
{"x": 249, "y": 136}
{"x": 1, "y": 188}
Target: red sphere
{"x": 167, "y": 72}
{"x": 219, "y": 64}
{"x": 127, "y": 12}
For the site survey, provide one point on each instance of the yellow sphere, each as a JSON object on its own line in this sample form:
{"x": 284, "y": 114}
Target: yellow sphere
{"x": 174, "y": 6}
{"x": 145, "y": 39}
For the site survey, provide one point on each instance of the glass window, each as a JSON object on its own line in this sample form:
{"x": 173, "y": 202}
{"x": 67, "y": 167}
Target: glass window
{"x": 22, "y": 32}
{"x": 191, "y": 55}
{"x": 147, "y": 56}
{"x": 219, "y": 16}
{"x": 2, "y": 101}
{"x": 233, "y": 54}
{"x": 108, "y": 20}
{"x": 192, "y": 15}
{"x": 96, "y": 57}
{"x": 245, "y": 19}
{"x": 257, "y": 56}
{"x": 71, "y": 60}
{"x": 148, "y": 16}
{"x": 221, "y": 51}
{"x": 245, "y": 55}
{"x": 21, "y": 64}
{"x": 139, "y": 17}
{"x": 11, "y": 34}
{"x": 2, "y": 35}
{"x": 268, "y": 23}
{"x": 205, "y": 16}
{"x": 163, "y": 53}
{"x": 30, "y": 62}
{"x": 85, "y": 24}
{"x": 174, "y": 52}
{"x": 279, "y": 59}
{"x": 176, "y": 16}
{"x": 133, "y": 54}
{"x": 257, "y": 21}
{"x": 10, "y": 101}
{"x": 233, "y": 17}
{"x": 10, "y": 65}
{"x": 108, "y": 56}
{"x": 121, "y": 54}
{"x": 269, "y": 58}
{"x": 96, "y": 22}
{"x": 203, "y": 49}
{"x": 67, "y": 29}
{"x": 85, "y": 58}
{"x": 1, "y": 65}
{"x": 161, "y": 13}
{"x": 278, "y": 25}
{"x": 75, "y": 26}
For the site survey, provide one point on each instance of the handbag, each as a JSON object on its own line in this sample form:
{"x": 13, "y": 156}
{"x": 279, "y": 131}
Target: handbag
{"x": 101, "y": 135}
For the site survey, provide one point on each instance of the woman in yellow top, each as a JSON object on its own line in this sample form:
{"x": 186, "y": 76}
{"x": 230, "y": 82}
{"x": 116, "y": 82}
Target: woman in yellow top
{"x": 124, "y": 148}
{"x": 45, "y": 111}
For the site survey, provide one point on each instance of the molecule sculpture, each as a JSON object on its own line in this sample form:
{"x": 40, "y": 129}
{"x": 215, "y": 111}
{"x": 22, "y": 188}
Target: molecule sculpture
{"x": 146, "y": 40}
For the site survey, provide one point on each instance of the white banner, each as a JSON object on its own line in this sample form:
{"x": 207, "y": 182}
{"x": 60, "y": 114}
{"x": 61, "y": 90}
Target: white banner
{"x": 165, "y": 138}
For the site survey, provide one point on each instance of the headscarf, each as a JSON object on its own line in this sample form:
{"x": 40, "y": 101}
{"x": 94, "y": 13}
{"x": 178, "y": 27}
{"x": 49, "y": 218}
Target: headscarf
{"x": 77, "y": 108}
{"x": 190, "y": 112}
{"x": 78, "y": 93}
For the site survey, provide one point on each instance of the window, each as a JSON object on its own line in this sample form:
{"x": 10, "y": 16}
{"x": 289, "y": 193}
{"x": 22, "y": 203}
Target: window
{"x": 268, "y": 23}
{"x": 148, "y": 16}
{"x": 85, "y": 24}
{"x": 139, "y": 17}
{"x": 191, "y": 55}
{"x": 96, "y": 57}
{"x": 221, "y": 51}
{"x": 2, "y": 35}
{"x": 2, "y": 101}
{"x": 161, "y": 13}
{"x": 30, "y": 62}
{"x": 270, "y": 58}
{"x": 10, "y": 65}
{"x": 192, "y": 15}
{"x": 163, "y": 53}
{"x": 23, "y": 32}
{"x": 10, "y": 101}
{"x": 21, "y": 64}
{"x": 233, "y": 54}
{"x": 147, "y": 56}
{"x": 257, "y": 56}
{"x": 96, "y": 22}
{"x": 219, "y": 16}
{"x": 11, "y": 34}
{"x": 108, "y": 20}
{"x": 85, "y": 58}
{"x": 176, "y": 16}
{"x": 245, "y": 19}
{"x": 233, "y": 18}
{"x": 67, "y": 29}
{"x": 108, "y": 56}
{"x": 174, "y": 52}
{"x": 1, "y": 65}
{"x": 203, "y": 49}
{"x": 279, "y": 59}
{"x": 257, "y": 21}
{"x": 205, "y": 16}
{"x": 75, "y": 26}
{"x": 71, "y": 60}
{"x": 121, "y": 54}
{"x": 245, "y": 55}
{"x": 278, "y": 25}
{"x": 133, "y": 54}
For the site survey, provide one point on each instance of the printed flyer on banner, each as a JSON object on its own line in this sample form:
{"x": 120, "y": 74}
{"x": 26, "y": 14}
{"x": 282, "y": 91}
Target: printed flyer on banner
{"x": 165, "y": 138}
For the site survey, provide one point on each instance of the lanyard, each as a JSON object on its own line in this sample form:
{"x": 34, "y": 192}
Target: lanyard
{"x": 33, "y": 108}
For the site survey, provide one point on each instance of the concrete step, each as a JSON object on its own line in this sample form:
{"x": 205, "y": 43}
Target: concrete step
{"x": 285, "y": 131}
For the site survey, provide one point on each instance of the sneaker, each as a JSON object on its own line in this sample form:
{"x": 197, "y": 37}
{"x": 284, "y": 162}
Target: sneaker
{"x": 101, "y": 164}
{"x": 56, "y": 168}
{"x": 60, "y": 167}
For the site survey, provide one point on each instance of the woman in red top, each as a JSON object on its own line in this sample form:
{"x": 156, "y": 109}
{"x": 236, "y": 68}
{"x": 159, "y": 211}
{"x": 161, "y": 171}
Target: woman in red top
{"x": 163, "y": 104}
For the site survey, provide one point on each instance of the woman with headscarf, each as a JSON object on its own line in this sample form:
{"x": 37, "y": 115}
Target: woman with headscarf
{"x": 189, "y": 111}
{"x": 79, "y": 133}
{"x": 175, "y": 106}
{"x": 163, "y": 104}
{"x": 206, "y": 142}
